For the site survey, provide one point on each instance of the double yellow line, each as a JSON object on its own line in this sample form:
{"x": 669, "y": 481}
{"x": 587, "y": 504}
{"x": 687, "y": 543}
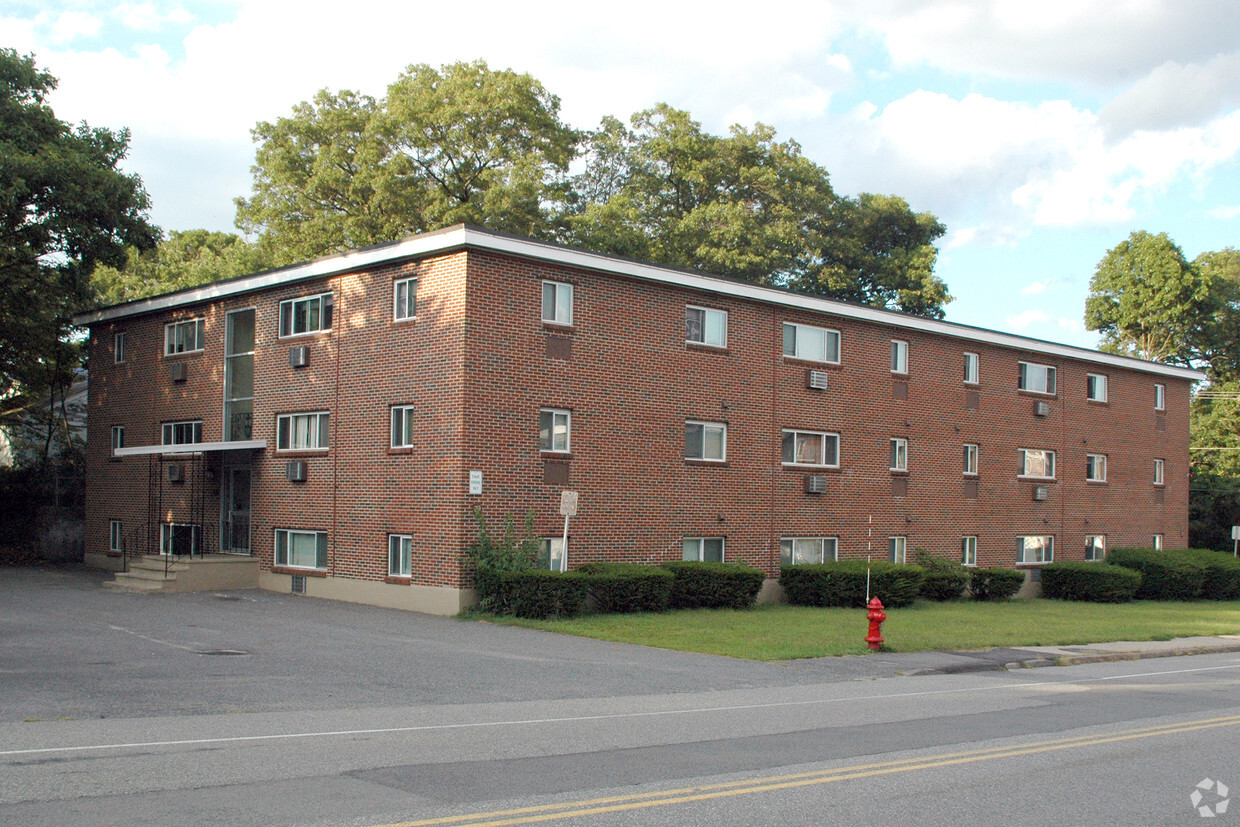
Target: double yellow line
{"x": 661, "y": 798}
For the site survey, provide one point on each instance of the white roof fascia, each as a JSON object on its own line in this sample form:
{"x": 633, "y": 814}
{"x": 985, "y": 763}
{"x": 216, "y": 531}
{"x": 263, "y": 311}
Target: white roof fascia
{"x": 463, "y": 236}
{"x": 191, "y": 448}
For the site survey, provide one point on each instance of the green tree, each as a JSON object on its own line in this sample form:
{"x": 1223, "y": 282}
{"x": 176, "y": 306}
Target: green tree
{"x": 1216, "y": 346}
{"x": 185, "y": 259}
{"x": 1214, "y": 501}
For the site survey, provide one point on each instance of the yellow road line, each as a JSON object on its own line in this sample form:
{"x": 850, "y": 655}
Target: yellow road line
{"x": 596, "y": 806}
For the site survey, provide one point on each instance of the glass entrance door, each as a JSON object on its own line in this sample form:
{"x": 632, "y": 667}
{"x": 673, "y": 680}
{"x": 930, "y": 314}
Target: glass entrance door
{"x": 235, "y": 505}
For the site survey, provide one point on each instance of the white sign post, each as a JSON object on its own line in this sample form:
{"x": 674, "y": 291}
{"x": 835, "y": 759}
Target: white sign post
{"x": 1235, "y": 537}
{"x": 568, "y": 508}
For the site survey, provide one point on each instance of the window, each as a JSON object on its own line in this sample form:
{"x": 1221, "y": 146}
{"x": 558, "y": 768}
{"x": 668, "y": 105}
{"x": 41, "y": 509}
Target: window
{"x": 971, "y": 369}
{"x": 1095, "y": 547}
{"x": 178, "y": 539}
{"x": 706, "y": 440}
{"x": 899, "y": 454}
{"x": 301, "y": 549}
{"x": 811, "y": 448}
{"x": 552, "y": 555}
{"x": 554, "y": 430}
{"x": 181, "y": 433}
{"x": 1159, "y": 468}
{"x": 1160, "y": 397}
{"x": 1096, "y": 467}
{"x": 302, "y": 431}
{"x": 299, "y": 317}
{"x": 1036, "y": 378}
{"x": 118, "y": 437}
{"x": 1035, "y": 549}
{"x": 404, "y": 299}
{"x": 970, "y": 460}
{"x": 557, "y": 303}
{"x": 968, "y": 551}
{"x": 1096, "y": 387}
{"x": 1157, "y": 542}
{"x": 797, "y": 550}
{"x": 705, "y": 549}
{"x": 706, "y": 327}
{"x": 116, "y": 539}
{"x": 183, "y": 337}
{"x": 814, "y": 344}
{"x": 899, "y": 356}
{"x": 1037, "y": 463}
{"x": 895, "y": 549}
{"x": 118, "y": 348}
{"x": 400, "y": 555}
{"x": 402, "y": 426}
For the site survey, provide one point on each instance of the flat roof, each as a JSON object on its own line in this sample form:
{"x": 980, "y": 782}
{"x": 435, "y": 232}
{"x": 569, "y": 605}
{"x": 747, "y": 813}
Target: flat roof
{"x": 462, "y": 236}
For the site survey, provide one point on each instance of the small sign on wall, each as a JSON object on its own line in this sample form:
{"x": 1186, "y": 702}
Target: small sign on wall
{"x": 475, "y": 483}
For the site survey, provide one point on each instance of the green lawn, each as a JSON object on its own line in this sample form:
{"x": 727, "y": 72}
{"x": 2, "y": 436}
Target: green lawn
{"x": 779, "y": 632}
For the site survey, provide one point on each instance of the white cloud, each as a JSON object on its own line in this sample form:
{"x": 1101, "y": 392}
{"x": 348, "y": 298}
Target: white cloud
{"x": 148, "y": 17}
{"x": 1175, "y": 95}
{"x": 1027, "y": 318}
{"x": 1035, "y": 288}
{"x": 72, "y": 25}
{"x": 1073, "y": 325}
{"x": 1225, "y": 213}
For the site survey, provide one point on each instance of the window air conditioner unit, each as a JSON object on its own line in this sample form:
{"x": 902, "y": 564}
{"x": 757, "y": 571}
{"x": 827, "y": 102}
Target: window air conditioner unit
{"x": 177, "y": 372}
{"x": 818, "y": 380}
{"x": 175, "y": 472}
{"x": 816, "y": 484}
{"x": 295, "y": 470}
{"x": 1040, "y": 493}
{"x": 299, "y": 357}
{"x": 1042, "y": 408}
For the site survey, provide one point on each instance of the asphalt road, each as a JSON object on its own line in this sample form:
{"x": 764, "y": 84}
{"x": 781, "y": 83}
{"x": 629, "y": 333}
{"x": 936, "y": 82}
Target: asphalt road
{"x": 126, "y": 709}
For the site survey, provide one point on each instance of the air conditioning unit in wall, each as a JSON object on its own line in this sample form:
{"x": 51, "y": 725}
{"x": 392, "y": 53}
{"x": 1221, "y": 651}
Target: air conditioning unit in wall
{"x": 1040, "y": 493}
{"x": 1042, "y": 408}
{"x": 816, "y": 484}
{"x": 295, "y": 470}
{"x": 177, "y": 372}
{"x": 818, "y": 380}
{"x": 299, "y": 357}
{"x": 175, "y": 472}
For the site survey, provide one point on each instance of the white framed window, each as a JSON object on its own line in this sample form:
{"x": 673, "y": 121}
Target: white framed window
{"x": 180, "y": 433}
{"x": 970, "y": 459}
{"x": 402, "y": 426}
{"x": 1096, "y": 387}
{"x": 899, "y": 356}
{"x": 896, "y": 549}
{"x": 302, "y": 431}
{"x": 814, "y": 344}
{"x": 703, "y": 549}
{"x": 178, "y": 539}
{"x": 706, "y": 441}
{"x": 301, "y": 317}
{"x": 1160, "y": 397}
{"x": 899, "y": 454}
{"x": 1033, "y": 549}
{"x": 1095, "y": 547}
{"x": 118, "y": 348}
{"x": 557, "y": 303}
{"x": 552, "y": 554}
{"x": 1037, "y": 462}
{"x": 1160, "y": 468}
{"x": 800, "y": 550}
{"x": 300, "y": 549}
{"x": 555, "y": 430}
{"x": 815, "y": 448}
{"x": 968, "y": 550}
{"x": 400, "y": 555}
{"x": 116, "y": 536}
{"x": 971, "y": 369}
{"x": 705, "y": 326}
{"x": 1036, "y": 378}
{"x": 1157, "y": 542}
{"x": 1096, "y": 467}
{"x": 118, "y": 437}
{"x": 404, "y": 299}
{"x": 183, "y": 337}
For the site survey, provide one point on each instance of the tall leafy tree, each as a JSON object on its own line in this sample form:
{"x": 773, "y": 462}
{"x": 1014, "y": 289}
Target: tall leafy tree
{"x": 185, "y": 259}
{"x": 1216, "y": 346}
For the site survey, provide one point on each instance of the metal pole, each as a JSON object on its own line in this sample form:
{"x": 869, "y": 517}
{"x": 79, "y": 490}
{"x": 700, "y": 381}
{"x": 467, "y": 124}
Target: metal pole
{"x": 564, "y": 547}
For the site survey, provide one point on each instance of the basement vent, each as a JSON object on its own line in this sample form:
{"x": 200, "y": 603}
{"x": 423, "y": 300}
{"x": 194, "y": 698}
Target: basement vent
{"x": 177, "y": 372}
{"x": 175, "y": 472}
{"x": 1040, "y": 493}
{"x": 1042, "y": 408}
{"x": 295, "y": 470}
{"x": 299, "y": 584}
{"x": 818, "y": 380}
{"x": 299, "y": 357}
{"x": 816, "y": 484}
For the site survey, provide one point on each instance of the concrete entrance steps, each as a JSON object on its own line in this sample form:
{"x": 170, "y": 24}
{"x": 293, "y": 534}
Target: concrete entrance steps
{"x": 214, "y": 572}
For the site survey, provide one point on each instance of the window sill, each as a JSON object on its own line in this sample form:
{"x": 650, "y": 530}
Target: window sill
{"x": 1034, "y": 565}
{"x": 706, "y": 463}
{"x": 1101, "y": 403}
{"x": 404, "y": 320}
{"x": 1040, "y": 394}
{"x": 1095, "y": 482}
{"x": 799, "y": 466}
{"x": 300, "y": 571}
{"x": 902, "y": 375}
{"x": 557, "y": 327}
{"x": 703, "y": 347}
{"x": 398, "y": 579}
{"x": 182, "y": 354}
{"x": 301, "y": 452}
{"x": 285, "y": 336}
{"x": 561, "y": 455}
{"x": 1037, "y": 479}
{"x": 812, "y": 362}
{"x": 898, "y": 472}
{"x": 403, "y": 450}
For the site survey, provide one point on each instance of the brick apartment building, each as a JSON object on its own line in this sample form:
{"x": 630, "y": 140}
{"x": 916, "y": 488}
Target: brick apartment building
{"x": 340, "y": 420}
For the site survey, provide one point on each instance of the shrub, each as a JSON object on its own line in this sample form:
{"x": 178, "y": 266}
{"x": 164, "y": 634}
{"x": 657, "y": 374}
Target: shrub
{"x": 1091, "y": 582}
{"x": 628, "y": 587}
{"x": 540, "y": 593}
{"x": 492, "y": 557}
{"x": 843, "y": 583}
{"x": 995, "y": 584}
{"x": 698, "y": 585}
{"x": 945, "y": 579}
{"x": 1165, "y": 575}
{"x": 1221, "y": 576}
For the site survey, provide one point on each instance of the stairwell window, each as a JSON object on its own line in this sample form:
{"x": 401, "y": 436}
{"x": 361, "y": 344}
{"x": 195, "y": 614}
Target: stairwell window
{"x": 118, "y": 437}
{"x": 404, "y": 299}
{"x": 814, "y": 344}
{"x": 400, "y": 555}
{"x": 116, "y": 535}
{"x": 557, "y": 303}
{"x": 302, "y": 431}
{"x": 703, "y": 549}
{"x": 899, "y": 356}
{"x": 970, "y": 369}
{"x": 1160, "y": 397}
{"x": 704, "y": 326}
{"x": 301, "y": 549}
{"x": 301, "y": 317}
{"x": 970, "y": 459}
{"x": 1036, "y": 378}
{"x": 183, "y": 337}
{"x": 118, "y": 348}
{"x": 1160, "y": 468}
{"x": 899, "y": 455}
{"x": 968, "y": 550}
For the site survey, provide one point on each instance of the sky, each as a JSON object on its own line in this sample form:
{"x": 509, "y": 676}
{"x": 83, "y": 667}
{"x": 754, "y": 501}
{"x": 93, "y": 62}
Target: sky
{"x": 1041, "y": 134}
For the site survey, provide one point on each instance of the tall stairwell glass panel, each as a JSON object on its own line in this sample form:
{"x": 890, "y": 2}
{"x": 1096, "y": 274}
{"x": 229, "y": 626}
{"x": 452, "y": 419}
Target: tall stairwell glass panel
{"x": 239, "y": 376}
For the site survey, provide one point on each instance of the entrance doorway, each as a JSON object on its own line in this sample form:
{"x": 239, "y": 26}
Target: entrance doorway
{"x": 235, "y": 510}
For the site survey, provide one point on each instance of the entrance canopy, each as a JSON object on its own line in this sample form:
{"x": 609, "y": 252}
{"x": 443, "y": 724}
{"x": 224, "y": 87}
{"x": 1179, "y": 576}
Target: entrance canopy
{"x": 191, "y": 448}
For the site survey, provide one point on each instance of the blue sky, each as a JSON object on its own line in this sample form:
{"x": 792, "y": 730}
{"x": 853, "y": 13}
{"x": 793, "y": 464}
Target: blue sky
{"x": 1040, "y": 134}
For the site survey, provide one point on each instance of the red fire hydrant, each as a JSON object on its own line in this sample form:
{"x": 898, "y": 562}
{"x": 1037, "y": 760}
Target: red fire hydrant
{"x": 876, "y": 616}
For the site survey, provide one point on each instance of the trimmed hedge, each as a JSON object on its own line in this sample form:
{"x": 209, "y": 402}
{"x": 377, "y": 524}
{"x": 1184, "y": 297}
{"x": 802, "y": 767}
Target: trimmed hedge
{"x": 628, "y": 587}
{"x": 1090, "y": 582}
{"x": 995, "y": 584}
{"x": 945, "y": 579}
{"x": 1165, "y": 575}
{"x": 1221, "y": 580}
{"x": 697, "y": 585}
{"x": 539, "y": 593}
{"x": 843, "y": 583}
